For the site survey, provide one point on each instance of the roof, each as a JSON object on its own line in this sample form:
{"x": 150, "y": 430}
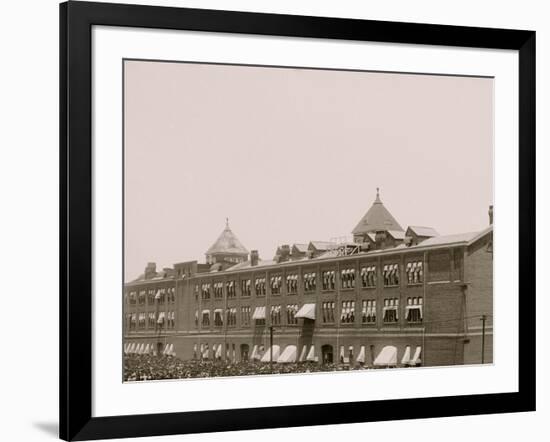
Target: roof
{"x": 322, "y": 245}
{"x": 469, "y": 238}
{"x": 300, "y": 247}
{"x": 247, "y": 265}
{"x": 423, "y": 231}
{"x": 397, "y": 234}
{"x": 227, "y": 243}
{"x": 377, "y": 218}
{"x": 461, "y": 238}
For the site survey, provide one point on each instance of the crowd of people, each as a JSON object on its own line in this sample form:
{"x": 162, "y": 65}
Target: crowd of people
{"x": 148, "y": 367}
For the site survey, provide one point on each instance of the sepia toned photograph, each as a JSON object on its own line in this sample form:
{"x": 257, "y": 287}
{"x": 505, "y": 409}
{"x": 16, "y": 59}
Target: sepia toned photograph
{"x": 291, "y": 220}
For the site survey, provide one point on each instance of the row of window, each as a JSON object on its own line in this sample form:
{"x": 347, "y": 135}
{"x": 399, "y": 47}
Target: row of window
{"x": 414, "y": 313}
{"x": 143, "y": 320}
{"x": 150, "y": 296}
{"x": 391, "y": 277}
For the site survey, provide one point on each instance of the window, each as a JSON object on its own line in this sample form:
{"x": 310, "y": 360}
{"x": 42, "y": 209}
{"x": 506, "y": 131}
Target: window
{"x": 275, "y": 315}
{"x": 133, "y": 321}
{"x": 368, "y": 276}
{"x": 230, "y": 287}
{"x": 196, "y": 292}
{"x": 329, "y": 278}
{"x": 259, "y": 286}
{"x": 196, "y": 318}
{"x": 347, "y": 278}
{"x": 292, "y": 284}
{"x": 310, "y": 281}
{"x": 245, "y": 315}
{"x": 414, "y": 309}
{"x": 391, "y": 275}
{"x": 391, "y": 310}
{"x": 347, "y": 316}
{"x": 368, "y": 312}
{"x": 218, "y": 317}
{"x": 218, "y": 290}
{"x": 141, "y": 297}
{"x": 232, "y": 316}
{"x": 245, "y": 287}
{"x": 132, "y": 297}
{"x": 151, "y": 320}
{"x": 171, "y": 291}
{"x": 205, "y": 291}
{"x": 128, "y": 321}
{"x": 141, "y": 321}
{"x": 171, "y": 320}
{"x": 151, "y": 296}
{"x": 206, "y": 318}
{"x": 291, "y": 310}
{"x": 275, "y": 284}
{"x": 328, "y": 311}
{"x": 414, "y": 272}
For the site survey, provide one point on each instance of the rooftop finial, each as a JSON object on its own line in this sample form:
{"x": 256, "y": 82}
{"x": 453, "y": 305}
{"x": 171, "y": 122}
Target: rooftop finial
{"x": 377, "y": 195}
{"x": 227, "y": 223}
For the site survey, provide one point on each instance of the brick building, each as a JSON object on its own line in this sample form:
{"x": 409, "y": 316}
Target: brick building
{"x": 392, "y": 297}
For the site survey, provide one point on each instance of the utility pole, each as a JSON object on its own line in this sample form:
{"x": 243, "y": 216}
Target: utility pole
{"x": 483, "y": 319}
{"x": 271, "y": 349}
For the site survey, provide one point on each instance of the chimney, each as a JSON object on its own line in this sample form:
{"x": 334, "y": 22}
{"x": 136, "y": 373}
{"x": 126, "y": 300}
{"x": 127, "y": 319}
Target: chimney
{"x": 380, "y": 239}
{"x": 254, "y": 257}
{"x": 150, "y": 270}
{"x": 491, "y": 214}
{"x": 285, "y": 252}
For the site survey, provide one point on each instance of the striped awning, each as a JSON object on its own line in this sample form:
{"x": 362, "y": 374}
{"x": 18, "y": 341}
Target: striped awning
{"x": 276, "y": 353}
{"x": 361, "y": 356}
{"x": 415, "y": 360}
{"x": 387, "y": 357}
{"x": 259, "y": 313}
{"x": 306, "y": 311}
{"x": 288, "y": 355}
{"x": 407, "y": 356}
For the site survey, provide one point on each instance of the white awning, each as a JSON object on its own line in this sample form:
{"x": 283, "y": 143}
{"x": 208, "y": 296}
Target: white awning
{"x": 131, "y": 348}
{"x": 219, "y": 352}
{"x": 259, "y": 313}
{"x": 342, "y": 352}
{"x": 361, "y": 356}
{"x": 302, "y": 357}
{"x": 307, "y": 311}
{"x": 407, "y": 356}
{"x": 416, "y": 358}
{"x": 276, "y": 353}
{"x": 165, "y": 351}
{"x": 147, "y": 349}
{"x": 161, "y": 318}
{"x": 288, "y": 355}
{"x": 311, "y": 354}
{"x": 387, "y": 357}
{"x": 255, "y": 354}
{"x": 415, "y": 306}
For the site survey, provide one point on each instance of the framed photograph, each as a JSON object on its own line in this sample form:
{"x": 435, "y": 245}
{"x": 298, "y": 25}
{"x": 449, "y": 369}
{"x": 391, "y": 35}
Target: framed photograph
{"x": 273, "y": 220}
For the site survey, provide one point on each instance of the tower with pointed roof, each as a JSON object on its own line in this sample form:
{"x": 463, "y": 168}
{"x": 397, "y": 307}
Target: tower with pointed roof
{"x": 377, "y": 219}
{"x": 227, "y": 249}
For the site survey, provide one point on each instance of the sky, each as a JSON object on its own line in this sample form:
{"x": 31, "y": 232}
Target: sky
{"x": 293, "y": 155}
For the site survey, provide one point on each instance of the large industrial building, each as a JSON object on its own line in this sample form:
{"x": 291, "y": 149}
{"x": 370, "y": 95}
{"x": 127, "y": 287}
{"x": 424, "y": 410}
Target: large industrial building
{"x": 391, "y": 297}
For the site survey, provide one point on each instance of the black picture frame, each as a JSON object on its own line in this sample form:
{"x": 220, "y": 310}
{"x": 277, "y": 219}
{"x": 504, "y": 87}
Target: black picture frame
{"x": 76, "y": 21}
